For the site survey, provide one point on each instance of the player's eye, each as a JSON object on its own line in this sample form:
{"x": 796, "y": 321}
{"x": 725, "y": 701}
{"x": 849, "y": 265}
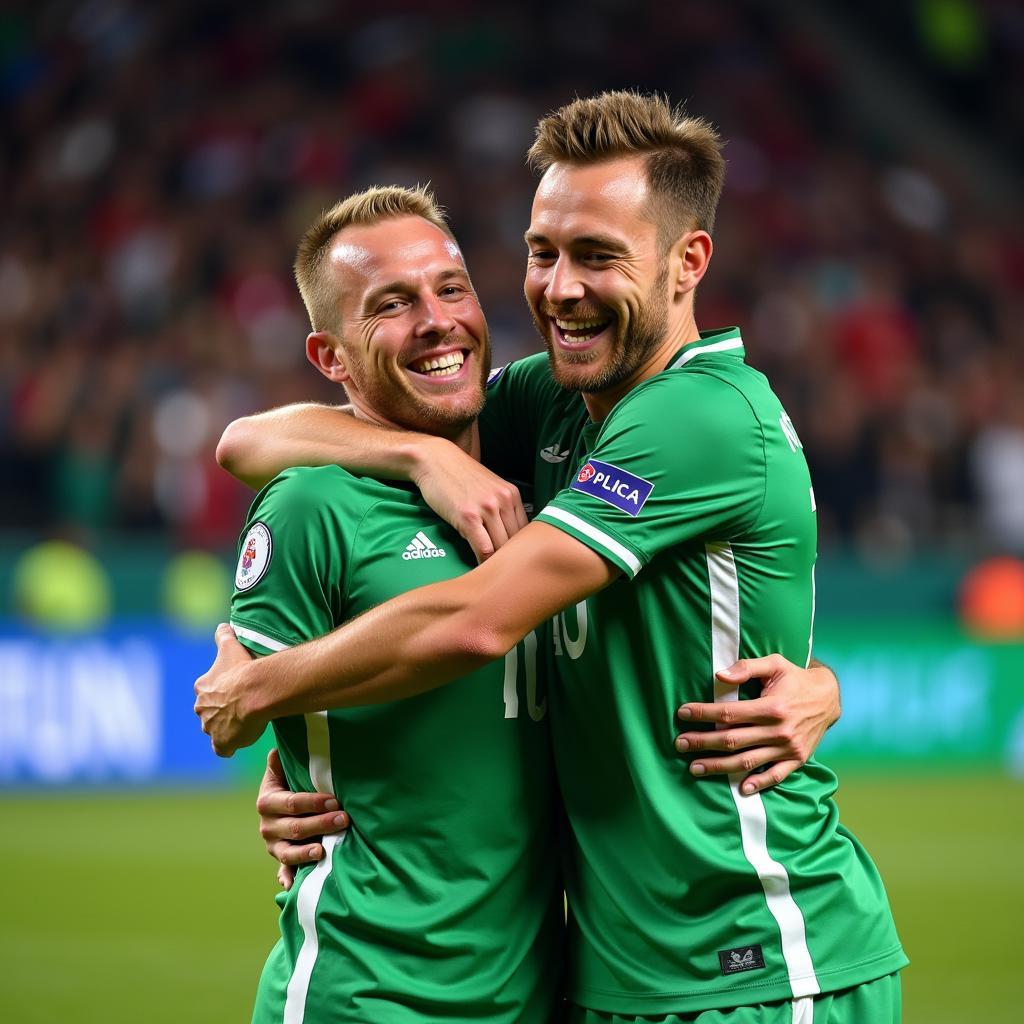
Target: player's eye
{"x": 598, "y": 257}
{"x": 391, "y": 306}
{"x": 452, "y": 291}
{"x": 542, "y": 256}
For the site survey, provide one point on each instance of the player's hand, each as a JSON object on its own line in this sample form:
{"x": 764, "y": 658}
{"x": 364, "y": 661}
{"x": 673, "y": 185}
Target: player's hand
{"x": 782, "y": 728}
{"x": 288, "y": 821}
{"x": 485, "y": 509}
{"x": 218, "y": 697}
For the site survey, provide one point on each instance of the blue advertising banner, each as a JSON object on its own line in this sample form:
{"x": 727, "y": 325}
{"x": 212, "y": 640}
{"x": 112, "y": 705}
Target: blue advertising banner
{"x": 109, "y": 708}
{"x": 115, "y": 708}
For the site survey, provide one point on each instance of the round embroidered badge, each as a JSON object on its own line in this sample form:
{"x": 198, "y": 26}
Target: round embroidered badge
{"x": 255, "y": 557}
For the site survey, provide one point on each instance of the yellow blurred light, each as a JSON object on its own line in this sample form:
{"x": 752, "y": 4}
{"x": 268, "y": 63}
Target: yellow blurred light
{"x": 61, "y": 586}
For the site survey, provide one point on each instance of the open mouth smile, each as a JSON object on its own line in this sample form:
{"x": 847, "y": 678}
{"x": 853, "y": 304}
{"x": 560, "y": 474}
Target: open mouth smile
{"x": 579, "y": 332}
{"x": 447, "y": 365}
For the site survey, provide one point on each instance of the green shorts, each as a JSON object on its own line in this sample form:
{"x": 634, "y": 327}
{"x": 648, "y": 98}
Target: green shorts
{"x": 877, "y": 1002}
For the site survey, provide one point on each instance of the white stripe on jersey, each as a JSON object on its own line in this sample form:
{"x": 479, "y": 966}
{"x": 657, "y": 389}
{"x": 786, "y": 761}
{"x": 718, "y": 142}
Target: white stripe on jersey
{"x": 814, "y": 608}
{"x": 258, "y": 638}
{"x": 602, "y": 538}
{"x": 318, "y": 742}
{"x": 717, "y": 346}
{"x": 725, "y": 649}
{"x": 308, "y": 897}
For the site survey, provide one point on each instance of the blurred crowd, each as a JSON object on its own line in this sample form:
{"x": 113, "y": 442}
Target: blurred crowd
{"x": 159, "y": 162}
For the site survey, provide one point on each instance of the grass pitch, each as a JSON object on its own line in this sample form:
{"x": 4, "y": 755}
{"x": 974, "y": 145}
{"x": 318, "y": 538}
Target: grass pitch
{"x": 158, "y": 906}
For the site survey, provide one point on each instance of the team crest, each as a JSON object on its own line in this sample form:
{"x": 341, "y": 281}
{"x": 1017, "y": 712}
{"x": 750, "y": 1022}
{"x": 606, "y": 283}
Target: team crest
{"x": 255, "y": 557}
{"x": 586, "y": 473}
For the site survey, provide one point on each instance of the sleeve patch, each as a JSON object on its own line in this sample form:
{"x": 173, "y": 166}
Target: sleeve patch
{"x": 613, "y": 486}
{"x": 255, "y": 557}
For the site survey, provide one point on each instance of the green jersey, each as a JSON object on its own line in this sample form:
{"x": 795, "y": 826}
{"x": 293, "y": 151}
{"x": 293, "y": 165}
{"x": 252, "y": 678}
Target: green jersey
{"x": 441, "y": 902}
{"x": 683, "y": 893}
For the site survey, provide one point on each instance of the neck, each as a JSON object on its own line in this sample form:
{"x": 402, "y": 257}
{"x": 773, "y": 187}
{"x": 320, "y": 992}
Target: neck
{"x": 600, "y": 403}
{"x": 466, "y": 437}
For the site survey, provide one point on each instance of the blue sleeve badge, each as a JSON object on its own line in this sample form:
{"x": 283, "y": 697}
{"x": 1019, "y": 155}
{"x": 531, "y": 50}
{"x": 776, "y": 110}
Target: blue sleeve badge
{"x": 613, "y": 486}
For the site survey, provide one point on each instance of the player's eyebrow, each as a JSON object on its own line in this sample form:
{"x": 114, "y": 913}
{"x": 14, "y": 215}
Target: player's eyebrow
{"x": 406, "y": 288}
{"x": 598, "y": 241}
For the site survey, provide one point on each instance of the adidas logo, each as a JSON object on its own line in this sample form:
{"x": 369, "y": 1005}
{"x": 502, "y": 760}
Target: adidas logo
{"x": 421, "y": 546}
{"x": 552, "y": 454}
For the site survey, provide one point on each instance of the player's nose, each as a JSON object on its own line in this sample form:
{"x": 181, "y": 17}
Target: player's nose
{"x": 435, "y": 318}
{"x": 564, "y": 284}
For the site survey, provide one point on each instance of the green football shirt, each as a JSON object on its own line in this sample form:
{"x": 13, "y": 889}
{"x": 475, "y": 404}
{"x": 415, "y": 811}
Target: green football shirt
{"x": 683, "y": 893}
{"x": 441, "y": 902}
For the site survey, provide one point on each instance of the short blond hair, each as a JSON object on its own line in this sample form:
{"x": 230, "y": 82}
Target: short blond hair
{"x": 685, "y": 167}
{"x": 371, "y": 206}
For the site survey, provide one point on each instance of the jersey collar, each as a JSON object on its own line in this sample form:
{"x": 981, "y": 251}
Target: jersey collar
{"x": 712, "y": 343}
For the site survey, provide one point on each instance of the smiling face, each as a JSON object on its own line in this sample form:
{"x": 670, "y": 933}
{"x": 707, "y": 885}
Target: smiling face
{"x": 412, "y": 346}
{"x": 603, "y": 291}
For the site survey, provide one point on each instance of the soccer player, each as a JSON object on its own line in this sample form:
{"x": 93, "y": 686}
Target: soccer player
{"x": 441, "y": 902}
{"x": 677, "y": 529}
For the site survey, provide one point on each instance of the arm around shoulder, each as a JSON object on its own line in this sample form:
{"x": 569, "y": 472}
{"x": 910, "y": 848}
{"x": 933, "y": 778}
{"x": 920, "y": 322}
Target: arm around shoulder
{"x": 255, "y": 449}
{"x": 413, "y": 643}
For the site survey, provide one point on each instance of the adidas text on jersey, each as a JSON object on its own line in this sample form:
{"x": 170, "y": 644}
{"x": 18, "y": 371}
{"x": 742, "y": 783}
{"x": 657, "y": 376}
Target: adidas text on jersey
{"x": 421, "y": 546}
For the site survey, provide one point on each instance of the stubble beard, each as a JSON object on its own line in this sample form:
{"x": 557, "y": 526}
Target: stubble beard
{"x": 402, "y": 404}
{"x": 646, "y": 332}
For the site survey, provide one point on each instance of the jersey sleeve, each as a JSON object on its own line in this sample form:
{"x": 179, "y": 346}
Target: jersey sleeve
{"x": 516, "y": 397}
{"x": 292, "y": 559}
{"x": 680, "y": 459}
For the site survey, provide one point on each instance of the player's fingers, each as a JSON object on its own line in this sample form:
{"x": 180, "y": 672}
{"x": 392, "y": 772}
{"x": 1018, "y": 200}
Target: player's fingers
{"x": 297, "y": 829}
{"x": 771, "y": 776}
{"x": 295, "y": 854}
{"x": 285, "y": 803}
{"x": 275, "y": 770}
{"x": 752, "y": 668}
{"x": 285, "y": 876}
{"x": 521, "y": 517}
{"x": 496, "y": 528}
{"x": 476, "y": 536}
{"x": 510, "y": 517}
{"x": 510, "y": 509}
{"x": 730, "y": 712}
{"x": 724, "y": 739}
{"x": 745, "y": 761}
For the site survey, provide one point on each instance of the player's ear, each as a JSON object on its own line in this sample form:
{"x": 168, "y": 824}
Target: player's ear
{"x": 324, "y": 352}
{"x": 689, "y": 258}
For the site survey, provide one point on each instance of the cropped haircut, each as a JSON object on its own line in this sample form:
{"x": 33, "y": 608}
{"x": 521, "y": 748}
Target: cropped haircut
{"x": 370, "y": 206}
{"x": 684, "y": 163}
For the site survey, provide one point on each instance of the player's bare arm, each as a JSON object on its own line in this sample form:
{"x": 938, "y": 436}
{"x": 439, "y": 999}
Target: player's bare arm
{"x": 781, "y": 728}
{"x": 409, "y": 645}
{"x": 484, "y": 508}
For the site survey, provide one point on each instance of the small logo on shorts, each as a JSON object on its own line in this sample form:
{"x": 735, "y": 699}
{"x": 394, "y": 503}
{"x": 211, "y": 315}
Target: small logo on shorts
{"x": 743, "y": 958}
